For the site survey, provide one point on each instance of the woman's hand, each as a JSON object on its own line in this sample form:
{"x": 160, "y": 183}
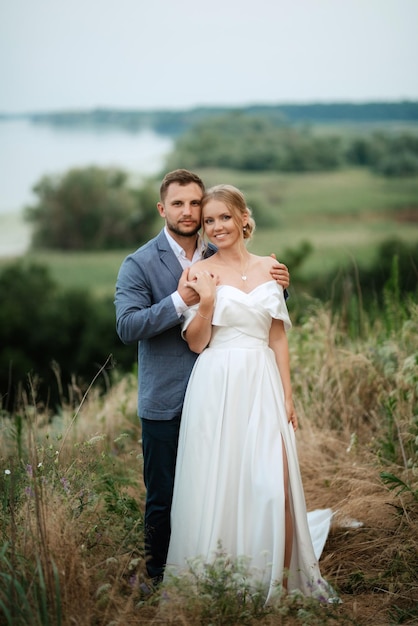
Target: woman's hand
{"x": 291, "y": 413}
{"x": 204, "y": 283}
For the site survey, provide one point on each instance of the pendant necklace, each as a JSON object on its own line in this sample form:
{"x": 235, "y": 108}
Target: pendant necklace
{"x": 244, "y": 272}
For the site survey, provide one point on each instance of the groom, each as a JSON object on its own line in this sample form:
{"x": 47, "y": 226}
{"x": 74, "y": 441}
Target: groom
{"x": 151, "y": 298}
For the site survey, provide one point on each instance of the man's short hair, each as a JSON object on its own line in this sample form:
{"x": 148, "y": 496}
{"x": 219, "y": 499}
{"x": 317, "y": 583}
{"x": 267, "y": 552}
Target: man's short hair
{"x": 182, "y": 177}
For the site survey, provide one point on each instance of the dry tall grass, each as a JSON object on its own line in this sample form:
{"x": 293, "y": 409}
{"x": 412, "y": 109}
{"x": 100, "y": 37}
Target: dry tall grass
{"x": 72, "y": 494}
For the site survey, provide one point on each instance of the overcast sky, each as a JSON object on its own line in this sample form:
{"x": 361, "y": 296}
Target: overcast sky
{"x": 78, "y": 54}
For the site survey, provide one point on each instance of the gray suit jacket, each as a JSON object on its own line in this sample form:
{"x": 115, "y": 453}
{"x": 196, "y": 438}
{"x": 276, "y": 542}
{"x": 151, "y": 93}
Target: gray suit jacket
{"x": 145, "y": 314}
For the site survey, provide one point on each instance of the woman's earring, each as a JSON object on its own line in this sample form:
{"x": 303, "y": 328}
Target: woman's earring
{"x": 244, "y": 230}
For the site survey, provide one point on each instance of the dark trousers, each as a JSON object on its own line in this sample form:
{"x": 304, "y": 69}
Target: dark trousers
{"x": 159, "y": 447}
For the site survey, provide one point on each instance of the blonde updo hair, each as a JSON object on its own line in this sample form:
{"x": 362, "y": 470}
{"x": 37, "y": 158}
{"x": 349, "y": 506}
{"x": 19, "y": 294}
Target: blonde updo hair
{"x": 234, "y": 199}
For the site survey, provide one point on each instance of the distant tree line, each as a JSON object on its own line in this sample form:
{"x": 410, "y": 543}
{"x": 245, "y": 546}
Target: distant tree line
{"x": 175, "y": 122}
{"x": 257, "y": 143}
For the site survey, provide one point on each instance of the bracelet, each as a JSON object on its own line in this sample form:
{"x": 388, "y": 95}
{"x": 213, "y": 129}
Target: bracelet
{"x": 204, "y": 316}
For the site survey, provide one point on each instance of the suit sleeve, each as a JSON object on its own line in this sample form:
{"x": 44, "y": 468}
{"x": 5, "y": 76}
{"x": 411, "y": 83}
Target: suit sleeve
{"x": 140, "y": 312}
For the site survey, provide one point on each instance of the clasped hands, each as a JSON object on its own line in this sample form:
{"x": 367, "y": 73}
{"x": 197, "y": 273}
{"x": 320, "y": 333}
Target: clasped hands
{"x": 203, "y": 286}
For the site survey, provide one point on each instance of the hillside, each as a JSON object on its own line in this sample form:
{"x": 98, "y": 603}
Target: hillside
{"x": 72, "y": 495}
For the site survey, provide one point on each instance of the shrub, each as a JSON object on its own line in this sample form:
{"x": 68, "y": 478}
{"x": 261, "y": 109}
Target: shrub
{"x": 51, "y": 339}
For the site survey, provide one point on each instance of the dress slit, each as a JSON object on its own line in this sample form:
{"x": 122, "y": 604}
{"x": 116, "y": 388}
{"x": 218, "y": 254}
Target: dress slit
{"x": 288, "y": 518}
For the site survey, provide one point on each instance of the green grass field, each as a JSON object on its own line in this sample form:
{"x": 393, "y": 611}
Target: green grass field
{"x": 345, "y": 215}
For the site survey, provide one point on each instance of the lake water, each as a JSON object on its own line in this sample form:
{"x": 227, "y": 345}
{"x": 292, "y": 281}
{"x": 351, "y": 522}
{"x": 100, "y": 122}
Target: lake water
{"x": 29, "y": 151}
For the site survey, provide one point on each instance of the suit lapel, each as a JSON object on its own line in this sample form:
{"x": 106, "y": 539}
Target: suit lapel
{"x": 210, "y": 250}
{"x": 167, "y": 256}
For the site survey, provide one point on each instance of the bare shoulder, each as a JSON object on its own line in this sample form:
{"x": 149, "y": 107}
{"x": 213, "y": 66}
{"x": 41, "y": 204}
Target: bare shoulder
{"x": 265, "y": 262}
{"x": 262, "y": 266}
{"x": 268, "y": 261}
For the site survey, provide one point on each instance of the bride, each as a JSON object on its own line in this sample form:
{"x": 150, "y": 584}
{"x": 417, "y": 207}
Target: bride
{"x": 238, "y": 483}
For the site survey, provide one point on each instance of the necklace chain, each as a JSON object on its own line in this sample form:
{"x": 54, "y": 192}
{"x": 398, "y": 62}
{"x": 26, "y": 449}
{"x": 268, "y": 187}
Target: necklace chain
{"x": 243, "y": 273}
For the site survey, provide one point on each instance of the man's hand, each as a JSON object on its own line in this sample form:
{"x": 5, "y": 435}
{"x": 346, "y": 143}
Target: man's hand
{"x": 280, "y": 273}
{"x": 188, "y": 294}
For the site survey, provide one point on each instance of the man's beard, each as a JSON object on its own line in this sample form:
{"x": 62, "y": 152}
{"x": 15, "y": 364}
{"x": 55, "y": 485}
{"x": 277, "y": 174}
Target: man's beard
{"x": 180, "y": 233}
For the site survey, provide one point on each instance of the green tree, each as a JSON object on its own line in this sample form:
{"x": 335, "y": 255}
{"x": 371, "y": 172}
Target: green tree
{"x": 90, "y": 209}
{"x": 386, "y": 154}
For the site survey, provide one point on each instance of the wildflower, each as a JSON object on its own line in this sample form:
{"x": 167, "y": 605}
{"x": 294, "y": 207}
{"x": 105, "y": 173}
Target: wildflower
{"x": 133, "y": 580}
{"x": 29, "y": 470}
{"x": 65, "y": 484}
{"x": 7, "y": 472}
{"x": 29, "y": 492}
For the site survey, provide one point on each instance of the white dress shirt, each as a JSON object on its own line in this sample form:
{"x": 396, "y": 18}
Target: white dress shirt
{"x": 178, "y": 301}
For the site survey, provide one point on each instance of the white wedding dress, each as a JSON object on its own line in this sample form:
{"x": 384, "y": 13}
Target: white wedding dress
{"x": 228, "y": 487}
